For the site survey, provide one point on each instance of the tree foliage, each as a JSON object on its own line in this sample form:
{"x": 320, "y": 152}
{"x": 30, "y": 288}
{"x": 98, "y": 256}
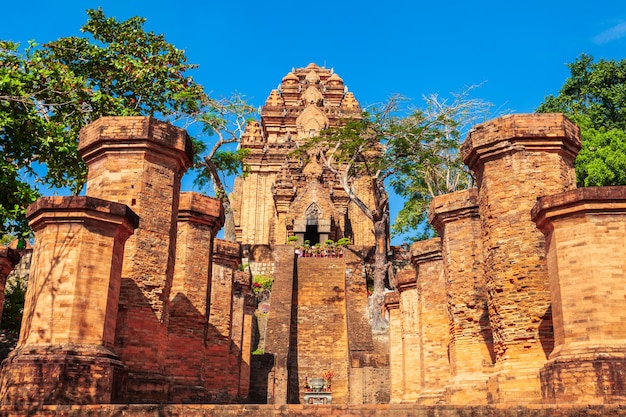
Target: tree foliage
{"x": 417, "y": 151}
{"x": 13, "y": 304}
{"x": 49, "y": 92}
{"x": 425, "y": 158}
{"x": 594, "y": 97}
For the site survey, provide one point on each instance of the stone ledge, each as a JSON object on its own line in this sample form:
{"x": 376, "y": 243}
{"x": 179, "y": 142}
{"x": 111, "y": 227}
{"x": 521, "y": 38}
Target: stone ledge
{"x": 515, "y": 132}
{"x": 296, "y": 410}
{"x": 133, "y": 133}
{"x": 392, "y": 300}
{"x": 580, "y": 200}
{"x": 407, "y": 279}
{"x": 426, "y": 250}
{"x": 451, "y": 206}
{"x": 135, "y": 128}
{"x": 96, "y": 206}
{"x": 201, "y": 209}
{"x": 11, "y": 254}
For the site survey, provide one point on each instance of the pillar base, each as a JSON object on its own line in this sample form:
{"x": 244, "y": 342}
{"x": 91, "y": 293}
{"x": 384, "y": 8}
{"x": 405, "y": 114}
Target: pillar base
{"x": 189, "y": 394}
{"x": 514, "y": 385}
{"x": 62, "y": 374}
{"x": 467, "y": 389}
{"x": 147, "y": 388}
{"x": 597, "y": 378}
{"x": 430, "y": 397}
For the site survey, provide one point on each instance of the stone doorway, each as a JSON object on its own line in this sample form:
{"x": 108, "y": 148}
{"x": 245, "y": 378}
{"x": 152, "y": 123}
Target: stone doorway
{"x": 311, "y": 234}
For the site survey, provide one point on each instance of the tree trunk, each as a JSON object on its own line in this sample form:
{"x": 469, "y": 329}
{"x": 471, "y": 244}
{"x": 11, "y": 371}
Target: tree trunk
{"x": 379, "y": 322}
{"x": 220, "y": 191}
{"x": 229, "y": 221}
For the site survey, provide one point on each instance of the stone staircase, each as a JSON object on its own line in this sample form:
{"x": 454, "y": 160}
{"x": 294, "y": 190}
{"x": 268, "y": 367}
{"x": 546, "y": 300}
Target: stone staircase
{"x": 321, "y": 324}
{"x": 278, "y": 335}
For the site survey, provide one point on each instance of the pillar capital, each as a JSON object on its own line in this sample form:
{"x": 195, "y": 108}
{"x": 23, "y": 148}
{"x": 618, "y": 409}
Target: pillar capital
{"x": 453, "y": 206}
{"x": 426, "y": 251}
{"x": 225, "y": 252}
{"x": 407, "y": 279}
{"x": 550, "y": 132}
{"x": 134, "y": 133}
{"x": 587, "y": 200}
{"x": 48, "y": 210}
{"x": 392, "y": 300}
{"x": 201, "y": 209}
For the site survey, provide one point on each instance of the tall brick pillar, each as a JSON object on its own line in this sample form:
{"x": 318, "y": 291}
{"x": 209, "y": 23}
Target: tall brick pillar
{"x": 199, "y": 219}
{"x": 585, "y": 232}
{"x": 396, "y": 354}
{"x": 410, "y": 335}
{"x": 220, "y": 379}
{"x": 242, "y": 286}
{"x": 8, "y": 259}
{"x": 65, "y": 351}
{"x": 250, "y": 304}
{"x": 433, "y": 319}
{"x": 517, "y": 159}
{"x": 139, "y": 161}
{"x": 455, "y": 217}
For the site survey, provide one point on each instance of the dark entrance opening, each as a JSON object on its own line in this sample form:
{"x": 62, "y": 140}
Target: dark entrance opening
{"x": 311, "y": 234}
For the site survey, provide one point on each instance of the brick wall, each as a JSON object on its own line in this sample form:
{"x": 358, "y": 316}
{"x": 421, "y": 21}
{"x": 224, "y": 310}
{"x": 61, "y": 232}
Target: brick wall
{"x": 322, "y": 335}
{"x": 279, "y": 337}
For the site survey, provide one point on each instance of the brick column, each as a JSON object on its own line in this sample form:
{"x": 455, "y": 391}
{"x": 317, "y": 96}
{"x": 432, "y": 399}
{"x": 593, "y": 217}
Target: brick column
{"x": 199, "y": 219}
{"x": 433, "y": 319}
{"x": 246, "y": 346}
{"x": 585, "y": 231}
{"x": 241, "y": 288}
{"x": 219, "y": 378}
{"x": 8, "y": 259}
{"x": 396, "y": 359}
{"x": 64, "y": 354}
{"x": 517, "y": 159}
{"x": 455, "y": 217}
{"x": 410, "y": 335}
{"x": 139, "y": 161}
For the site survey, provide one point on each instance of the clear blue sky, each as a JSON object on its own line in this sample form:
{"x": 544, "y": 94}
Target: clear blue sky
{"x": 519, "y": 49}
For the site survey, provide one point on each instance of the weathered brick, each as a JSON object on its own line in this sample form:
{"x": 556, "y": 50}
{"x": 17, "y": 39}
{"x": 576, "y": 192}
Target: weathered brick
{"x": 139, "y": 161}
{"x": 517, "y": 159}
{"x": 64, "y": 354}
{"x": 456, "y": 219}
{"x": 585, "y": 230}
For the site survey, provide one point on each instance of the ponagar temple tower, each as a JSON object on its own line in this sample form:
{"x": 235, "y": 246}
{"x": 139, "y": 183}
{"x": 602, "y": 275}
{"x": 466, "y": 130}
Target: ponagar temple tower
{"x": 283, "y": 196}
{"x": 280, "y": 196}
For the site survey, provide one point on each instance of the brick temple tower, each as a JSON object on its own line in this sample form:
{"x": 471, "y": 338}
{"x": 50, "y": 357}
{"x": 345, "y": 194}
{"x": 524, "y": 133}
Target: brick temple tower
{"x": 318, "y": 315}
{"x": 281, "y": 196}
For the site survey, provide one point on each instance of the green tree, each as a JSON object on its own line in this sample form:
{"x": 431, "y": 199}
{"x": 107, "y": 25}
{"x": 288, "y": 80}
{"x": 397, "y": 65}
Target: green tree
{"x": 49, "y": 92}
{"x": 426, "y": 161}
{"x": 417, "y": 152}
{"x": 594, "y": 97}
{"x": 13, "y": 304}
{"x": 226, "y": 119}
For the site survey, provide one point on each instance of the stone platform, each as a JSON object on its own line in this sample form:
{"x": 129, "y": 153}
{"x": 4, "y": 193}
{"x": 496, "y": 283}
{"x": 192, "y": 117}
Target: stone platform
{"x": 373, "y": 410}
